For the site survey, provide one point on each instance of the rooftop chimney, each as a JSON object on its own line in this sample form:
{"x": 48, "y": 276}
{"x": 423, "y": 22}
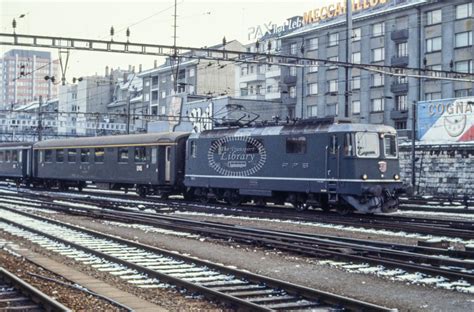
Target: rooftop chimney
{"x": 140, "y": 68}
{"x": 155, "y": 64}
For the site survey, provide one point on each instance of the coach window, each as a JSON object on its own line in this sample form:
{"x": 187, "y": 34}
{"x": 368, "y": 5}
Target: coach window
{"x": 85, "y": 153}
{"x": 349, "y": 145}
{"x": 2, "y": 155}
{"x": 48, "y": 156}
{"x": 71, "y": 155}
{"x": 140, "y": 154}
{"x": 15, "y": 156}
{"x": 60, "y": 155}
{"x": 367, "y": 145}
{"x": 99, "y": 155}
{"x": 296, "y": 145}
{"x": 154, "y": 155}
{"x": 7, "y": 156}
{"x": 123, "y": 155}
{"x": 390, "y": 146}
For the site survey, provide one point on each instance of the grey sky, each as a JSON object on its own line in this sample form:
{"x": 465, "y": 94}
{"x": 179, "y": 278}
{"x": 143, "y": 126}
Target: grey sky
{"x": 200, "y": 23}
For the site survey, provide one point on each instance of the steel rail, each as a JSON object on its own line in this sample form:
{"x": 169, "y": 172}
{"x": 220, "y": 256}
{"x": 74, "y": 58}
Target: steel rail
{"x": 38, "y": 301}
{"x": 390, "y": 255}
{"x": 298, "y": 291}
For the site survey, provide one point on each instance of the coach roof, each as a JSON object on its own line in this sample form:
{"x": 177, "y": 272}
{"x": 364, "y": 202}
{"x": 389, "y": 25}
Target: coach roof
{"x": 20, "y": 145}
{"x": 116, "y": 140}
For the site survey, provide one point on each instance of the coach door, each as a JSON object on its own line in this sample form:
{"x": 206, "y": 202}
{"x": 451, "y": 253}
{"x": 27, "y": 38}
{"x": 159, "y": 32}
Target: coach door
{"x": 168, "y": 164}
{"x": 332, "y": 162}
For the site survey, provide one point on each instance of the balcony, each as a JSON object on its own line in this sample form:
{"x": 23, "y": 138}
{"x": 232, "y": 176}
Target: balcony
{"x": 289, "y": 80}
{"x": 400, "y": 35}
{"x": 272, "y": 95}
{"x": 259, "y": 97}
{"x": 399, "y": 88}
{"x": 400, "y": 61}
{"x": 399, "y": 114}
{"x": 252, "y": 77}
{"x": 273, "y": 73}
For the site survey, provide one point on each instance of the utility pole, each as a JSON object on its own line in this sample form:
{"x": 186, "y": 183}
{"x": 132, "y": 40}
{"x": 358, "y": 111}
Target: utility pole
{"x": 40, "y": 116}
{"x": 413, "y": 134}
{"x": 128, "y": 113}
{"x": 347, "y": 91}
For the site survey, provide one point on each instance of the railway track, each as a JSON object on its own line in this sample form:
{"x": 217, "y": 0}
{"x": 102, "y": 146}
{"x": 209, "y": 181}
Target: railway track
{"x": 451, "y": 264}
{"x": 150, "y": 267}
{"x": 18, "y": 295}
{"x": 427, "y": 226}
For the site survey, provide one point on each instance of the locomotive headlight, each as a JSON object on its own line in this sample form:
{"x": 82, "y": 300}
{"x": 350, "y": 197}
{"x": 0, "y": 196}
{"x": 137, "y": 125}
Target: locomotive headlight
{"x": 396, "y": 177}
{"x": 364, "y": 177}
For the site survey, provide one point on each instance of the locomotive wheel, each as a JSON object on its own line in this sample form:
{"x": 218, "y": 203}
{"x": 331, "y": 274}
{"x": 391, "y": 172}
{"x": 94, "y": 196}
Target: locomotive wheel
{"x": 300, "y": 206}
{"x": 234, "y": 199}
{"x": 204, "y": 199}
{"x": 343, "y": 210}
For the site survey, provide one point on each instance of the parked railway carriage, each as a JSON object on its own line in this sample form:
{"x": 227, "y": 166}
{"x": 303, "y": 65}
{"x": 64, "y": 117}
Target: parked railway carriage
{"x": 15, "y": 161}
{"x": 349, "y": 166}
{"x": 153, "y": 163}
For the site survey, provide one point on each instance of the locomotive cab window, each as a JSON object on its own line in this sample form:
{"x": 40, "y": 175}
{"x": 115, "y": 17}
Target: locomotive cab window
{"x": 296, "y": 145}
{"x": 367, "y": 145}
{"x": 85, "y": 154}
{"x": 59, "y": 156}
{"x": 349, "y": 145}
{"x": 140, "y": 154}
{"x": 193, "y": 149}
{"x": 99, "y": 155}
{"x": 390, "y": 146}
{"x": 154, "y": 155}
{"x": 71, "y": 155}
{"x": 48, "y": 156}
{"x": 123, "y": 155}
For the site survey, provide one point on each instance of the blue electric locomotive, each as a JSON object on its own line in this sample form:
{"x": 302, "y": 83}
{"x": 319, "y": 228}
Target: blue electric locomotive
{"x": 345, "y": 166}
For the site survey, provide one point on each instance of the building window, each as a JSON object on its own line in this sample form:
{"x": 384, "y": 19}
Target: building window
{"x": 401, "y": 102}
{"x": 292, "y": 92}
{"x": 333, "y": 59}
{"x": 313, "y": 44}
{"x": 163, "y": 94}
{"x": 433, "y": 44}
{"x": 432, "y": 96}
{"x": 378, "y": 105}
{"x": 400, "y": 125}
{"x": 244, "y": 92}
{"x": 333, "y": 39}
{"x": 312, "y": 88}
{"x": 146, "y": 97}
{"x": 356, "y": 57}
{"x": 243, "y": 71}
{"x": 332, "y": 85}
{"x": 355, "y": 107}
{"x": 464, "y": 66}
{"x": 378, "y": 54}
{"x": 378, "y": 29}
{"x": 433, "y": 17}
{"x": 312, "y": 110}
{"x": 191, "y": 89}
{"x": 154, "y": 80}
{"x": 313, "y": 67}
{"x": 378, "y": 80}
{"x": 356, "y": 34}
{"x": 402, "y": 49}
{"x": 258, "y": 89}
{"x": 463, "y": 93}
{"x": 191, "y": 72}
{"x": 463, "y": 39}
{"x": 401, "y": 79}
{"x": 296, "y": 145}
{"x": 464, "y": 10}
{"x": 437, "y": 67}
{"x": 293, "y": 48}
{"x": 154, "y": 95}
{"x": 293, "y": 71}
{"x": 269, "y": 89}
{"x": 355, "y": 83}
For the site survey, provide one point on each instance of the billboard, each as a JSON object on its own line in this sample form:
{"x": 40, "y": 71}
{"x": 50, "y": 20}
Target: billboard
{"x": 446, "y": 120}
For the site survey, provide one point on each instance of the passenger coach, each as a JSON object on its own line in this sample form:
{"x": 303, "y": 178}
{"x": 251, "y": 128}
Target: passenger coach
{"x": 152, "y": 163}
{"x": 16, "y": 161}
{"x": 306, "y": 164}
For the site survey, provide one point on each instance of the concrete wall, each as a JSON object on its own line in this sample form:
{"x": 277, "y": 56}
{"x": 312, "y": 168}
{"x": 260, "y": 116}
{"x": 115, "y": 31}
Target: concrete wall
{"x": 440, "y": 170}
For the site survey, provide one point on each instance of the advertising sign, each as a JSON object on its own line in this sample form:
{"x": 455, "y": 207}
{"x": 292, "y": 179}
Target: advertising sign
{"x": 446, "y": 120}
